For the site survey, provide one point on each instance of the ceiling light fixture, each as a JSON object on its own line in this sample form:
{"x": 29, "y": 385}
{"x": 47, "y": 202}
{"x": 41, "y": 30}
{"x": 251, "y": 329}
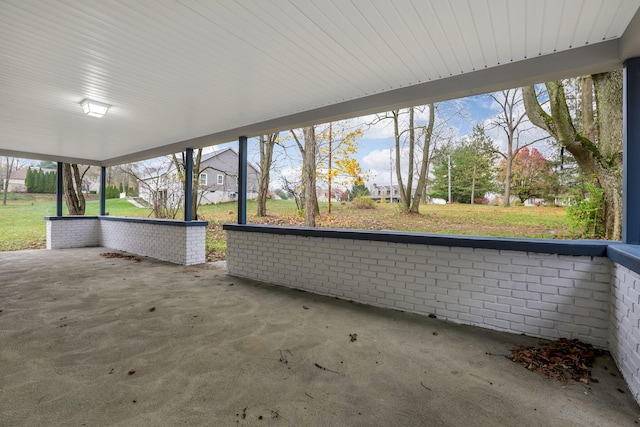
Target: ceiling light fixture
{"x": 94, "y": 108}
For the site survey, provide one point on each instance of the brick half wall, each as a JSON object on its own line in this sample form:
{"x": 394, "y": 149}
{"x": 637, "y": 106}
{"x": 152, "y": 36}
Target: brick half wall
{"x": 179, "y": 242}
{"x": 72, "y": 232}
{"x": 545, "y": 295}
{"x": 625, "y": 325}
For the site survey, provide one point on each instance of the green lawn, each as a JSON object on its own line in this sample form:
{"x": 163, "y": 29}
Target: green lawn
{"x": 481, "y": 220}
{"x": 22, "y": 225}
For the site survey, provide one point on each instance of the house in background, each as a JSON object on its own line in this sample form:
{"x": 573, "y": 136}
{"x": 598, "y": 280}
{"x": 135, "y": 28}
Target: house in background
{"x": 217, "y": 181}
{"x": 337, "y": 195}
{"x": 389, "y": 193}
{"x": 16, "y": 182}
{"x": 18, "y": 177}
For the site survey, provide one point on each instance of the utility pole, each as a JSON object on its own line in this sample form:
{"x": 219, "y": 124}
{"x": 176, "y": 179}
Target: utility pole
{"x": 330, "y": 149}
{"x": 449, "y": 159}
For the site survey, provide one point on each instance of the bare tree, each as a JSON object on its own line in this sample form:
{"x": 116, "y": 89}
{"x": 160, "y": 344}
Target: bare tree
{"x": 294, "y": 188}
{"x": 180, "y": 166}
{"x": 407, "y": 135}
{"x": 511, "y": 119}
{"x": 593, "y": 137}
{"x": 10, "y": 164}
{"x": 72, "y": 179}
{"x": 165, "y": 189}
{"x": 266, "y": 144}
{"x": 308, "y": 152}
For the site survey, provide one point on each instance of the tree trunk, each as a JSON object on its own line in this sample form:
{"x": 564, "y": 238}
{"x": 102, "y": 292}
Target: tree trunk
{"x": 8, "y": 171}
{"x": 608, "y": 94}
{"x": 73, "y": 189}
{"x": 412, "y": 144}
{"x": 600, "y": 158}
{"x": 401, "y": 187}
{"x": 311, "y": 208}
{"x": 473, "y": 184}
{"x": 266, "y": 145}
{"x": 422, "y": 177}
{"x": 507, "y": 179}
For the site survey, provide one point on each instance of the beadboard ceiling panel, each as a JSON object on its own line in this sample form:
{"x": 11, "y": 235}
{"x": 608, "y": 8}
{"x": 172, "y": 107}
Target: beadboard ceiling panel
{"x": 191, "y": 73}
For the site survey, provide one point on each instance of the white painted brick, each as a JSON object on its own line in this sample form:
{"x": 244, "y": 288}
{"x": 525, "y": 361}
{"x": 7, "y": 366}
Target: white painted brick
{"x": 542, "y": 323}
{"x": 471, "y": 318}
{"x": 543, "y": 289}
{"x": 405, "y": 292}
{"x": 497, "y": 275}
{"x": 557, "y": 281}
{"x": 471, "y": 288}
{"x": 525, "y": 311}
{"x": 459, "y": 278}
{"x": 558, "y": 264}
{"x": 532, "y": 262}
{"x": 469, "y": 302}
{"x": 592, "y": 268}
{"x": 415, "y": 301}
{"x": 416, "y": 286}
{"x": 600, "y": 305}
{"x": 484, "y": 297}
{"x": 482, "y": 312}
{"x": 459, "y": 293}
{"x": 510, "y": 317}
{"x": 578, "y": 293}
{"x": 447, "y": 298}
{"x": 483, "y": 281}
{"x": 512, "y": 301}
{"x": 470, "y": 272}
{"x": 526, "y": 295}
{"x": 538, "y": 305}
{"x": 498, "y": 291}
{"x": 426, "y": 295}
{"x": 559, "y": 299}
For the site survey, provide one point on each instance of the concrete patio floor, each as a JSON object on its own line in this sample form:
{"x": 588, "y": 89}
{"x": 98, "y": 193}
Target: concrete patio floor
{"x": 88, "y": 340}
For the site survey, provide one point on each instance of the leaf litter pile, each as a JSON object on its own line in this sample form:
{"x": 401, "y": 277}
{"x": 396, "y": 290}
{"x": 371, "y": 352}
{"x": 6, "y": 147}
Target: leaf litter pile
{"x": 562, "y": 360}
{"x": 119, "y": 255}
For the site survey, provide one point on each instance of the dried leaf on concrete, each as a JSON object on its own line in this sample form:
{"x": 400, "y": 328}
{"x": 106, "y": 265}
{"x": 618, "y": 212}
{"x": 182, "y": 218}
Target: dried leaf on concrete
{"x": 563, "y": 359}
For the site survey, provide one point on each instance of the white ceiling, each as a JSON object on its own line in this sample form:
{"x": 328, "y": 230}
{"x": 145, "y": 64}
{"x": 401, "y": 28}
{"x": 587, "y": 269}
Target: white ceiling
{"x": 191, "y": 73}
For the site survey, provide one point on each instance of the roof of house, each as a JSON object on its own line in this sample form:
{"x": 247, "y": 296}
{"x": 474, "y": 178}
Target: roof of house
{"x": 216, "y": 153}
{"x": 21, "y": 174}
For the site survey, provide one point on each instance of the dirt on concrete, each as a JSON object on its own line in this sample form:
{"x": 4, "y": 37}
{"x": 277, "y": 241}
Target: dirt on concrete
{"x": 89, "y": 340}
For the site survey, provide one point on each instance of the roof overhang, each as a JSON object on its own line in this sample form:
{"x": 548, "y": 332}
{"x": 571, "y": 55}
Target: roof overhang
{"x": 188, "y": 74}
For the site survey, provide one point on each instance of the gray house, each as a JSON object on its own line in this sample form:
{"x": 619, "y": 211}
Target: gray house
{"x": 218, "y": 179}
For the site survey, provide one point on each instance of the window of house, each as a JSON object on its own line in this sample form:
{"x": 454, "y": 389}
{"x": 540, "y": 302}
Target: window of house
{"x": 220, "y": 180}
{"x": 203, "y": 179}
